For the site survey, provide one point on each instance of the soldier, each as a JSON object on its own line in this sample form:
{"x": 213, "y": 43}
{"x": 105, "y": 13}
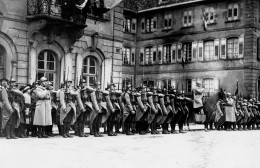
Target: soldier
{"x": 240, "y": 114}
{"x": 165, "y": 114}
{"x": 197, "y": 98}
{"x": 42, "y": 116}
{"x": 246, "y": 114}
{"x": 33, "y": 107}
{"x": 25, "y": 122}
{"x": 12, "y": 120}
{"x": 128, "y": 111}
{"x": 68, "y": 97}
{"x": 229, "y": 112}
{"x": 60, "y": 128}
{"x": 151, "y": 113}
{"x": 4, "y": 85}
{"x": 54, "y": 108}
{"x": 141, "y": 115}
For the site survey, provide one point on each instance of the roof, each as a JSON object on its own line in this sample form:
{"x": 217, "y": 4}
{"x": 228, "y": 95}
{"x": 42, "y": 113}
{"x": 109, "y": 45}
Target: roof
{"x": 149, "y": 5}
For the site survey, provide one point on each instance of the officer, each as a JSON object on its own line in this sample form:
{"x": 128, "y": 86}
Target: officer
{"x": 42, "y": 116}
{"x": 68, "y": 97}
{"x": 197, "y": 98}
{"x": 25, "y": 122}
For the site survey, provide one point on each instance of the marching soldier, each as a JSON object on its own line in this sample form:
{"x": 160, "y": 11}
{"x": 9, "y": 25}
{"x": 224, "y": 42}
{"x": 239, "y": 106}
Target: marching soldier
{"x": 129, "y": 112}
{"x": 68, "y": 97}
{"x": 42, "y": 116}
{"x": 151, "y": 113}
{"x": 141, "y": 115}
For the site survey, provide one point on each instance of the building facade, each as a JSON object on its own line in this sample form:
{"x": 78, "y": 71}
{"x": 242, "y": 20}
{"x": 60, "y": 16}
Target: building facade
{"x": 179, "y": 42}
{"x": 161, "y": 43}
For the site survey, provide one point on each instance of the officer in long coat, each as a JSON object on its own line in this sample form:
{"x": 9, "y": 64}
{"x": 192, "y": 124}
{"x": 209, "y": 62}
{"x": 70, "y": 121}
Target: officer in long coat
{"x": 68, "y": 98}
{"x": 4, "y": 85}
{"x": 42, "y": 116}
{"x": 197, "y": 96}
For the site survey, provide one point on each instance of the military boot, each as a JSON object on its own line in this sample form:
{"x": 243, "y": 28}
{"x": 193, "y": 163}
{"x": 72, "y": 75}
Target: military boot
{"x": 64, "y": 129}
{"x": 8, "y": 130}
{"x": 12, "y": 132}
{"x": 68, "y": 130}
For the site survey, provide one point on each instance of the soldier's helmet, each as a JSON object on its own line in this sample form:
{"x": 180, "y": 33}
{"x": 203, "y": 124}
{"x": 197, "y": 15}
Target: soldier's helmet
{"x": 12, "y": 80}
{"x": 26, "y": 88}
{"x": 43, "y": 79}
{"x": 198, "y": 83}
{"x": 3, "y": 79}
{"x": 228, "y": 94}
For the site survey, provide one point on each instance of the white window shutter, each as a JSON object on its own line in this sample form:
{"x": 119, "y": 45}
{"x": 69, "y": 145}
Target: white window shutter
{"x": 124, "y": 22}
{"x": 223, "y": 50}
{"x": 123, "y": 54}
{"x": 154, "y": 54}
{"x": 193, "y": 83}
{"x": 133, "y": 56}
{"x": 216, "y": 49}
{"x": 146, "y": 57}
{"x": 212, "y": 10}
{"x": 173, "y": 83}
{"x": 154, "y": 20}
{"x": 179, "y": 53}
{"x": 173, "y": 53}
{"x": 216, "y": 84}
{"x": 143, "y": 25}
{"x": 160, "y": 49}
{"x": 159, "y": 84}
{"x": 164, "y": 54}
{"x": 133, "y": 26}
{"x": 201, "y": 51}
{"x": 185, "y": 14}
{"x": 170, "y": 21}
{"x": 230, "y": 7}
{"x": 192, "y": 18}
{"x": 236, "y": 7}
{"x": 241, "y": 46}
{"x": 141, "y": 58}
{"x": 194, "y": 50}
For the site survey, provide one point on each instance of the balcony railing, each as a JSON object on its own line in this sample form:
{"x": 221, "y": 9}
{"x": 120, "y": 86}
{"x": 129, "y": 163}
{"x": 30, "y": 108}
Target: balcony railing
{"x": 43, "y": 7}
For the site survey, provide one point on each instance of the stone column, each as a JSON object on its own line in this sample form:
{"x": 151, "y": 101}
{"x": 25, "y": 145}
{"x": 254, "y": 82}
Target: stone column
{"x": 32, "y": 72}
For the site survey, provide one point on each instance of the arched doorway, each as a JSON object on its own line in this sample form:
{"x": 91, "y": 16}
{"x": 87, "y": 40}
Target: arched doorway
{"x": 2, "y": 61}
{"x": 91, "y": 70}
{"x": 47, "y": 66}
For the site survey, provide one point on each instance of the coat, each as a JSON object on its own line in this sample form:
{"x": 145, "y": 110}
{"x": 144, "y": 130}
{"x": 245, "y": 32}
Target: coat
{"x": 42, "y": 116}
{"x": 7, "y": 109}
{"x": 66, "y": 107}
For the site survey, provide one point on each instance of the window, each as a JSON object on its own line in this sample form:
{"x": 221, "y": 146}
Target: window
{"x": 211, "y": 85}
{"x": 126, "y": 56}
{"x": 127, "y": 25}
{"x": 233, "y": 10}
{"x": 167, "y": 84}
{"x": 167, "y": 23}
{"x": 149, "y": 83}
{"x": 149, "y": 24}
{"x": 47, "y": 65}
{"x": 90, "y": 72}
{"x": 126, "y": 82}
{"x": 167, "y": 54}
{"x": 232, "y": 48}
{"x": 209, "y": 51}
{"x": 2, "y": 64}
{"x": 188, "y": 85}
{"x": 209, "y": 15}
{"x": 148, "y": 55}
{"x": 187, "y": 51}
{"x": 188, "y": 18}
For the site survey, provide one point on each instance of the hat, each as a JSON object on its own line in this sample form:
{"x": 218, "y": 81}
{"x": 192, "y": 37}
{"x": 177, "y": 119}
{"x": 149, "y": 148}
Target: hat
{"x": 161, "y": 95}
{"x": 105, "y": 92}
{"x": 149, "y": 93}
{"x": 12, "y": 80}
{"x": 43, "y": 79}
{"x": 138, "y": 94}
{"x": 228, "y": 94}
{"x": 198, "y": 83}
{"x": 3, "y": 79}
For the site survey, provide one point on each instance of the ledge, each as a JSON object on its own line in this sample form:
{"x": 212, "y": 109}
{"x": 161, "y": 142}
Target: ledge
{"x": 187, "y": 27}
{"x": 233, "y": 20}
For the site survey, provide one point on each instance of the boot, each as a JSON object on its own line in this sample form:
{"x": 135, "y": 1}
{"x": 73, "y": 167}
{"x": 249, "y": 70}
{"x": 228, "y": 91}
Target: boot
{"x": 64, "y": 130}
{"x": 109, "y": 131}
{"x": 34, "y": 131}
{"x": 21, "y": 131}
{"x": 8, "y": 130}
{"x": 44, "y": 132}
{"x": 39, "y": 132}
{"x": 49, "y": 131}
{"x": 76, "y": 127}
{"x": 181, "y": 129}
{"x": 82, "y": 129}
{"x": 68, "y": 130}
{"x": 12, "y": 132}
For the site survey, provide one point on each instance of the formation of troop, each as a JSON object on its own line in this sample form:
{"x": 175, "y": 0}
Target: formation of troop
{"x": 32, "y": 110}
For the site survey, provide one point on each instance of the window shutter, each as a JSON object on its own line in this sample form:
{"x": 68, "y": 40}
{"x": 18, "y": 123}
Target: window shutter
{"x": 185, "y": 14}
{"x": 241, "y": 46}
{"x": 258, "y": 48}
{"x": 212, "y": 11}
{"x": 179, "y": 54}
{"x": 173, "y": 50}
{"x": 154, "y": 23}
{"x": 146, "y": 56}
{"x": 235, "y": 7}
{"x": 164, "y": 54}
{"x": 169, "y": 21}
{"x": 200, "y": 46}
{"x": 123, "y": 55}
{"x": 193, "y": 84}
{"x": 160, "y": 48}
{"x": 230, "y": 12}
{"x": 194, "y": 50}
{"x": 216, "y": 84}
{"x": 173, "y": 83}
{"x": 192, "y": 18}
{"x": 143, "y": 25}
{"x": 124, "y": 22}
{"x": 142, "y": 56}
{"x": 133, "y": 56}
{"x": 165, "y": 21}
{"x": 159, "y": 84}
{"x": 223, "y": 48}
{"x": 154, "y": 52}
{"x": 133, "y": 27}
{"x": 216, "y": 49}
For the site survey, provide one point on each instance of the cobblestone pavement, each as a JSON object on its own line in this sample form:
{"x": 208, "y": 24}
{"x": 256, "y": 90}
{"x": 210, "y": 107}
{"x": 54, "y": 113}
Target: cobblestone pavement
{"x": 196, "y": 149}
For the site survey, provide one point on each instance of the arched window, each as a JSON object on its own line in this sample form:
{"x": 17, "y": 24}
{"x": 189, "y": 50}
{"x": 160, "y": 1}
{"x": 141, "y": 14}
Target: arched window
{"x": 90, "y": 70}
{"x": 2, "y": 56}
{"x": 47, "y": 65}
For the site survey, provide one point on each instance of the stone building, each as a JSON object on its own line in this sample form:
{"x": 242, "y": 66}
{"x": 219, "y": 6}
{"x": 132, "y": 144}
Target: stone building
{"x": 61, "y": 39}
{"x": 179, "y": 42}
{"x": 163, "y": 43}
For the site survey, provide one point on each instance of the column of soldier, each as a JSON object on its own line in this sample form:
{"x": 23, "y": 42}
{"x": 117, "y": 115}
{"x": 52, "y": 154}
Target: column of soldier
{"x": 32, "y": 110}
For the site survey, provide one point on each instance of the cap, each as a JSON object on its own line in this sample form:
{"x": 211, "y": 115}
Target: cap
{"x": 3, "y": 79}
{"x": 12, "y": 80}
{"x": 26, "y": 88}
{"x": 105, "y": 92}
{"x": 43, "y": 79}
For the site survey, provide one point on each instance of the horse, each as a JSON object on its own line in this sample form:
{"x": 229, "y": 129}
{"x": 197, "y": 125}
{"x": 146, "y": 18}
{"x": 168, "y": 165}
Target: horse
{"x": 209, "y": 108}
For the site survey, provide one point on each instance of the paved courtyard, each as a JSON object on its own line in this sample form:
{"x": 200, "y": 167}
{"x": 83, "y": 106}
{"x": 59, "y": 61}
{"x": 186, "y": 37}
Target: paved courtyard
{"x": 196, "y": 149}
